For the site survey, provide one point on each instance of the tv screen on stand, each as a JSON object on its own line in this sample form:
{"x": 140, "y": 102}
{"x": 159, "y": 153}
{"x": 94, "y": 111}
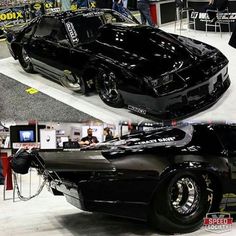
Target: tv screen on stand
{"x": 26, "y": 136}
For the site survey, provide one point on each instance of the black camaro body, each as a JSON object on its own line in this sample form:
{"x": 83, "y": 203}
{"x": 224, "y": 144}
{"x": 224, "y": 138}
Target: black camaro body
{"x": 168, "y": 176}
{"x": 128, "y": 64}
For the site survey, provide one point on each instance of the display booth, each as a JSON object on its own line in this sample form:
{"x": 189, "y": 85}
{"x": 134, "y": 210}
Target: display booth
{"x": 17, "y": 14}
{"x": 26, "y": 136}
{"x": 200, "y": 16}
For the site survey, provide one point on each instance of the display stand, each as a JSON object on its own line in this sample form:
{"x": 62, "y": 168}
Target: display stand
{"x": 162, "y": 11}
{"x": 200, "y": 16}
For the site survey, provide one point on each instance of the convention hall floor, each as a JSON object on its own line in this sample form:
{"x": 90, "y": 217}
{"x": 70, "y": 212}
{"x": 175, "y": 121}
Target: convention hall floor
{"x": 49, "y": 215}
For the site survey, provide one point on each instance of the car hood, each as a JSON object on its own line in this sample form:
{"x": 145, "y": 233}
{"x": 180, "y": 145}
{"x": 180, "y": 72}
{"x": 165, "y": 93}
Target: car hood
{"x": 147, "y": 50}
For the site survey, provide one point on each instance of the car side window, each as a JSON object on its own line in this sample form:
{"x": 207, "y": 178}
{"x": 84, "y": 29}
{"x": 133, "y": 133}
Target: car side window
{"x": 50, "y": 29}
{"x": 83, "y": 29}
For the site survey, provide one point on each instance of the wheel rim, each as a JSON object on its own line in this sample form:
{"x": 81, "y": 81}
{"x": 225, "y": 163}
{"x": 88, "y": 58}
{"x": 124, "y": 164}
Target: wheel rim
{"x": 185, "y": 196}
{"x": 25, "y": 57}
{"x": 109, "y": 92}
{"x": 71, "y": 82}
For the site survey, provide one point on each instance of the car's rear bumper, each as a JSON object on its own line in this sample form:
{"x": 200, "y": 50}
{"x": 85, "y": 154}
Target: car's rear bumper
{"x": 187, "y": 102}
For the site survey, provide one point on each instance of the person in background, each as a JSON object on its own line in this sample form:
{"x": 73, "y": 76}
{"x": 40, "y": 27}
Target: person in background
{"x": 107, "y": 133}
{"x": 214, "y": 5}
{"x": 89, "y": 139}
{"x": 144, "y": 9}
{"x": 118, "y": 6}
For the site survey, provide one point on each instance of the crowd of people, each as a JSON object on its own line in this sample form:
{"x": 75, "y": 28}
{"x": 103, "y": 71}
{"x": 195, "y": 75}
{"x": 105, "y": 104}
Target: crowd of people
{"x": 143, "y": 7}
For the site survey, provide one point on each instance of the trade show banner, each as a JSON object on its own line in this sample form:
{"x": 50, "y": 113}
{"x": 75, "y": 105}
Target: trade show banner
{"x": 76, "y": 4}
{"x": 92, "y": 3}
{"x": 12, "y": 16}
{"x": 36, "y": 9}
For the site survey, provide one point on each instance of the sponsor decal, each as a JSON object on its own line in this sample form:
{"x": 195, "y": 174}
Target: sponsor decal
{"x": 147, "y": 141}
{"x": 218, "y": 222}
{"x": 137, "y": 109}
{"x": 91, "y": 14}
{"x": 72, "y": 32}
{"x": 159, "y": 140}
{"x": 168, "y": 139}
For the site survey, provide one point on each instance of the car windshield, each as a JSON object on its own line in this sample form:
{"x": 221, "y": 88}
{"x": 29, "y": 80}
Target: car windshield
{"x": 84, "y": 28}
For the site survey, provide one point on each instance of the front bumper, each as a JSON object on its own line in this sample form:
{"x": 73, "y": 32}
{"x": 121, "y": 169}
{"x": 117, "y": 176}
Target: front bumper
{"x": 187, "y": 102}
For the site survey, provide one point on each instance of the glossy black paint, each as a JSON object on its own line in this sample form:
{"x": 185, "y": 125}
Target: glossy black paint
{"x": 122, "y": 179}
{"x": 157, "y": 73}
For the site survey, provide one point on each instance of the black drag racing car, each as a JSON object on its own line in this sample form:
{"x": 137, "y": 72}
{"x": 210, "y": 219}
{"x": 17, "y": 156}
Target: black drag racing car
{"x": 128, "y": 64}
{"x": 170, "y": 177}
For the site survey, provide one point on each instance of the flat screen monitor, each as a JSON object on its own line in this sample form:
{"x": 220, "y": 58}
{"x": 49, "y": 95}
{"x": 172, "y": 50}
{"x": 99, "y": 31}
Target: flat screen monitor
{"x": 26, "y": 136}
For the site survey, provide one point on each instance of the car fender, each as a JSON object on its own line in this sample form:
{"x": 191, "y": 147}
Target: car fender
{"x": 160, "y": 167}
{"x": 216, "y": 167}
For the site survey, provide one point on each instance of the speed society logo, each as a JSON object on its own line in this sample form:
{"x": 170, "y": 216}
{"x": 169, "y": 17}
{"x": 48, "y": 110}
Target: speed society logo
{"x": 218, "y": 222}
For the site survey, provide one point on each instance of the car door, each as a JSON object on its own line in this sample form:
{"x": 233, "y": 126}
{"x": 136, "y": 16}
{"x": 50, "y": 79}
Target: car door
{"x": 82, "y": 32}
{"x": 49, "y": 47}
{"x": 37, "y": 48}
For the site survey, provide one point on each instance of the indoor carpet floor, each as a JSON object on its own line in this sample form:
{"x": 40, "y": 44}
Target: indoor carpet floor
{"x": 16, "y": 104}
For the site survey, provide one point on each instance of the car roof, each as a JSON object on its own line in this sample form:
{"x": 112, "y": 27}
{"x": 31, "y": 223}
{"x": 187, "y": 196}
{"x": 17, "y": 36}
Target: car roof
{"x": 80, "y": 12}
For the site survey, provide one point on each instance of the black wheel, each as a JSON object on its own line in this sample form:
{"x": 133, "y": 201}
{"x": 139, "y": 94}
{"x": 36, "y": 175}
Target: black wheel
{"x": 25, "y": 61}
{"x": 181, "y": 203}
{"x": 106, "y": 85}
{"x": 73, "y": 82}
